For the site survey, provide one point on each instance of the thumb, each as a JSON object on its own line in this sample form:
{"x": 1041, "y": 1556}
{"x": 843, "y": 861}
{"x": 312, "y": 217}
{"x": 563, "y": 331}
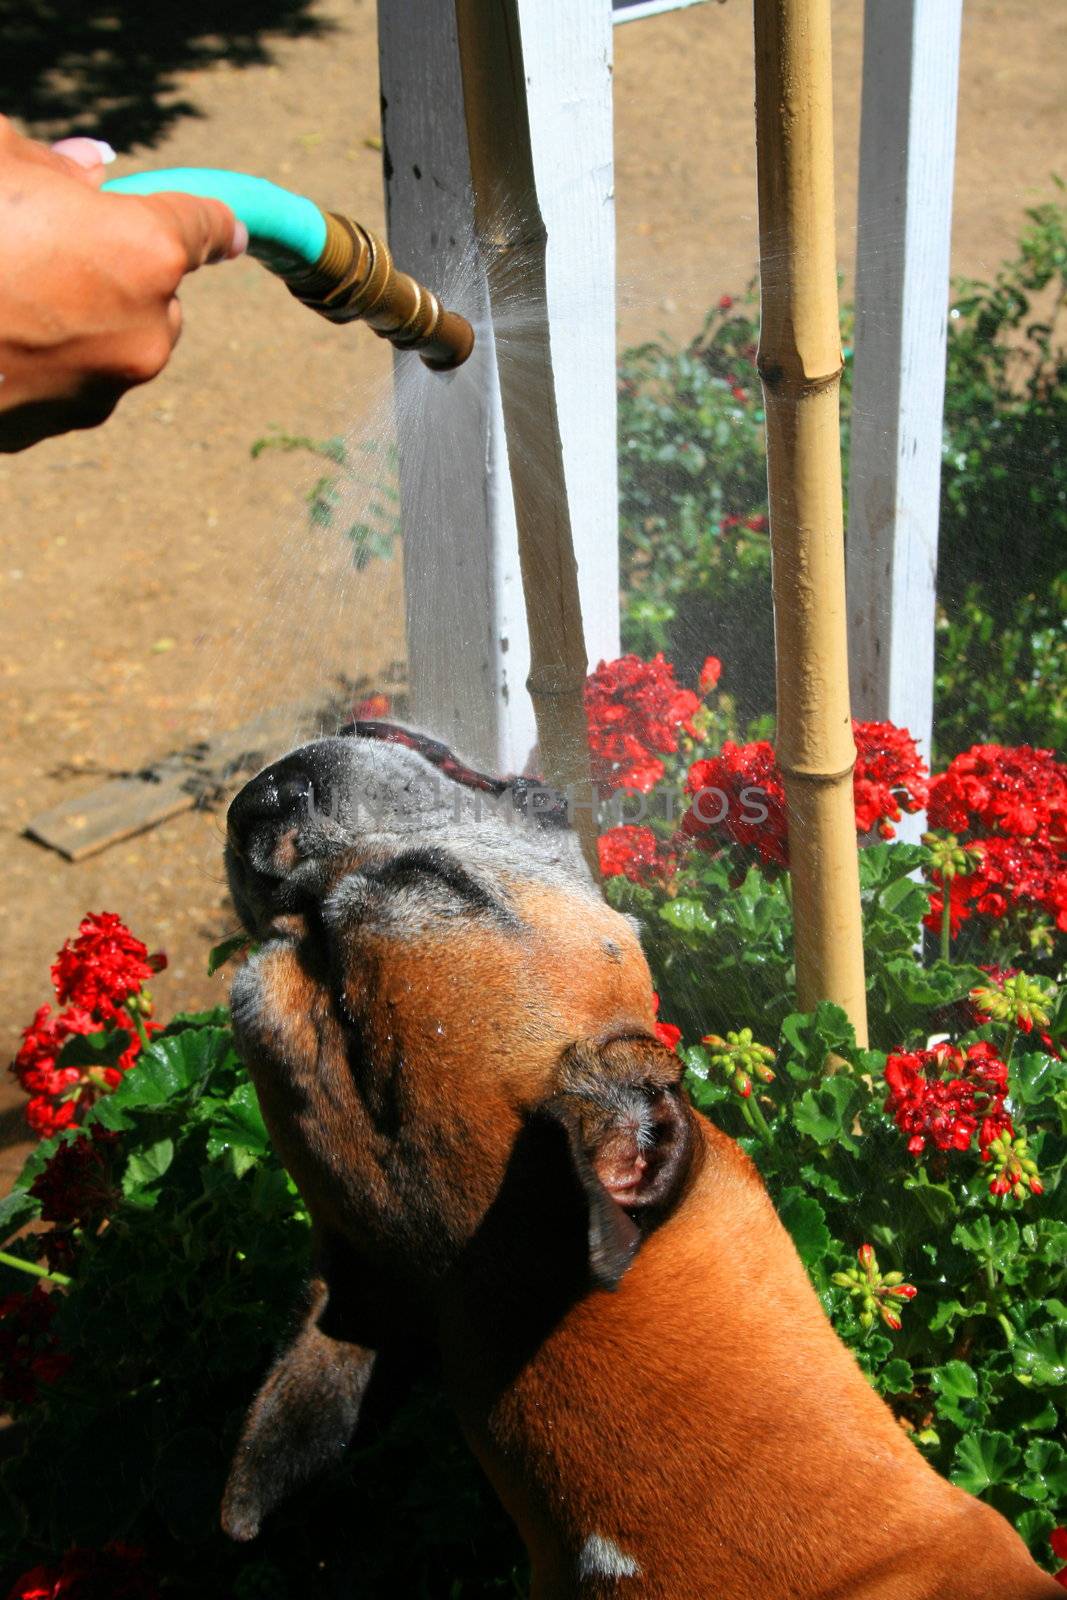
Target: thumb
{"x": 207, "y": 229}
{"x": 87, "y": 158}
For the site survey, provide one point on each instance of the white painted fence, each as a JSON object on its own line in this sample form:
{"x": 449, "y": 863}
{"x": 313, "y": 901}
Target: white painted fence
{"x": 467, "y": 649}
{"x": 907, "y": 150}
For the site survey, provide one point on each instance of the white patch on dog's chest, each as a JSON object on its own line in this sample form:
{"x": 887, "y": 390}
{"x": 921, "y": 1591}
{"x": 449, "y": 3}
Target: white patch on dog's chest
{"x": 602, "y": 1558}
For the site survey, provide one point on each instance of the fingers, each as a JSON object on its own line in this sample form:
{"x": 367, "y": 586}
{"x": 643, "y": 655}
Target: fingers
{"x": 87, "y": 157}
{"x": 207, "y": 230}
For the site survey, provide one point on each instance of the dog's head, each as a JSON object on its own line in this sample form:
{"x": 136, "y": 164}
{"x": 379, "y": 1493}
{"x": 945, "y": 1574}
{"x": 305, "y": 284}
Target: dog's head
{"x": 451, "y": 1035}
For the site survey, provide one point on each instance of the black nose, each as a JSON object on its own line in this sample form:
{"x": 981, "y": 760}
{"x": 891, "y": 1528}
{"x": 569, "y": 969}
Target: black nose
{"x": 278, "y": 799}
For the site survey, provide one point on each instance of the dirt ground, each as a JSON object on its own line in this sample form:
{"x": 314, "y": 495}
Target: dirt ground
{"x": 149, "y": 571}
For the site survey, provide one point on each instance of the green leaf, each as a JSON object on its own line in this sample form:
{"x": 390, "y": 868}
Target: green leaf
{"x": 948, "y": 1313}
{"x": 805, "y": 1220}
{"x": 688, "y": 916}
{"x": 826, "y": 1113}
{"x": 995, "y": 1242}
{"x": 237, "y": 1132}
{"x": 1040, "y": 1356}
{"x": 983, "y": 1460}
{"x": 1047, "y": 1241}
{"x": 146, "y": 1166}
{"x": 165, "y": 1069}
{"x": 1034, "y": 1527}
{"x": 1046, "y": 1463}
{"x": 882, "y": 864}
{"x": 1036, "y": 1077}
{"x": 181, "y": 1021}
{"x": 16, "y": 1209}
{"x": 813, "y": 1036}
{"x": 936, "y": 1199}
{"x": 956, "y": 1388}
{"x": 221, "y": 952}
{"x": 896, "y": 1377}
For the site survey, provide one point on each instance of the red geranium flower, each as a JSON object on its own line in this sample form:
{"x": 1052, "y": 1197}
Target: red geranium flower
{"x": 1015, "y": 791}
{"x": 117, "y": 1572}
{"x": 890, "y": 775}
{"x": 710, "y": 673}
{"x": 738, "y": 798}
{"x": 103, "y": 966}
{"x": 943, "y": 1094}
{"x": 75, "y": 1183}
{"x": 100, "y": 974}
{"x": 1016, "y": 874}
{"x": 635, "y": 710}
{"x": 631, "y": 852}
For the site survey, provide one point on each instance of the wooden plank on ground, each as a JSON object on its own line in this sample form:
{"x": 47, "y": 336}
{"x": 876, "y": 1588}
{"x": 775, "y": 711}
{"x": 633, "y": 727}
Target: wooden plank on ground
{"x": 133, "y": 802}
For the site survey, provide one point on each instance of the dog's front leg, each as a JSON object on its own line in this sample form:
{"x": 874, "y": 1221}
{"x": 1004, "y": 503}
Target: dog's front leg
{"x": 300, "y": 1422}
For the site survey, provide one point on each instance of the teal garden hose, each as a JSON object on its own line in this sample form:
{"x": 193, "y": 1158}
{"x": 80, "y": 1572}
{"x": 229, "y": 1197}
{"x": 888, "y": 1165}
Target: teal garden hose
{"x": 330, "y": 263}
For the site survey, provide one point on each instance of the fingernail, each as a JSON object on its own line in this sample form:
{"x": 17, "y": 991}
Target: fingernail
{"x": 240, "y": 239}
{"x": 86, "y": 152}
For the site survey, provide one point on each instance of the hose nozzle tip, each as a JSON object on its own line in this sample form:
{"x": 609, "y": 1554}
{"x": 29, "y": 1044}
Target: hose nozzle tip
{"x": 354, "y": 279}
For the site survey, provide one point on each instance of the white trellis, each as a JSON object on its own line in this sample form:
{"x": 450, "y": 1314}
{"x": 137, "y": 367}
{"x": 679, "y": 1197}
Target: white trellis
{"x": 467, "y": 650}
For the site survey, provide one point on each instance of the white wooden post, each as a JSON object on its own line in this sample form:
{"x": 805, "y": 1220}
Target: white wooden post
{"x": 468, "y": 655}
{"x": 907, "y": 149}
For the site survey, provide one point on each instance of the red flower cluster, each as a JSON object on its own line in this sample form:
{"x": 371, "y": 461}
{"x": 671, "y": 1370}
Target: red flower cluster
{"x": 946, "y": 1095}
{"x": 29, "y": 1350}
{"x": 103, "y": 967}
{"x": 74, "y": 1186}
{"x": 995, "y": 788}
{"x": 1015, "y": 874}
{"x": 117, "y": 1572}
{"x": 1010, "y": 804}
{"x": 738, "y": 798}
{"x": 635, "y": 708}
{"x": 631, "y": 852}
{"x": 890, "y": 775}
{"x": 99, "y": 976}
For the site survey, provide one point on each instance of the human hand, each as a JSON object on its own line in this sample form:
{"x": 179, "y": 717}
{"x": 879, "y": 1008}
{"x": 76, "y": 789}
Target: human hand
{"x": 88, "y": 284}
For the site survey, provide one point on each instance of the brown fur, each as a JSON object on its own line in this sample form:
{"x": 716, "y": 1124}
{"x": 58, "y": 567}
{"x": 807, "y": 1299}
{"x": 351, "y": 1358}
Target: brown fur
{"x": 493, "y": 1147}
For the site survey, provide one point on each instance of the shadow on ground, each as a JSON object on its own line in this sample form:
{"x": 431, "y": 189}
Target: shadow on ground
{"x": 112, "y": 71}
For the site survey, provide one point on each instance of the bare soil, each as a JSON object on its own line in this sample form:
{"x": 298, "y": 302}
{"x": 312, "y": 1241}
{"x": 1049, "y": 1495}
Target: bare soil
{"x": 157, "y": 583}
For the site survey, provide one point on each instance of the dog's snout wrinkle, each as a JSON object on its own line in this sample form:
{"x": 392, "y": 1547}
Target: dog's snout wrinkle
{"x": 411, "y": 867}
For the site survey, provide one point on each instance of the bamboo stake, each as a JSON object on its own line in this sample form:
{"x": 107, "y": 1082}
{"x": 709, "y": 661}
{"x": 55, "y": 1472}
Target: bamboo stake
{"x": 512, "y": 240}
{"x": 800, "y": 365}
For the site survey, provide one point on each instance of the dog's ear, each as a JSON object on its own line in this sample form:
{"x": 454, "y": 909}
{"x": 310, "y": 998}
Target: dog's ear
{"x": 629, "y": 1135}
{"x": 301, "y": 1420}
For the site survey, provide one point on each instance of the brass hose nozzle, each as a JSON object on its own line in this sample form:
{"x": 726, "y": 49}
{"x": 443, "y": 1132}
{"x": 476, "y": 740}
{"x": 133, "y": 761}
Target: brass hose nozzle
{"x": 354, "y": 279}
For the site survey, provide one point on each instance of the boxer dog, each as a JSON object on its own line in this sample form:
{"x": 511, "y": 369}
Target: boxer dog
{"x": 453, "y": 1041}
